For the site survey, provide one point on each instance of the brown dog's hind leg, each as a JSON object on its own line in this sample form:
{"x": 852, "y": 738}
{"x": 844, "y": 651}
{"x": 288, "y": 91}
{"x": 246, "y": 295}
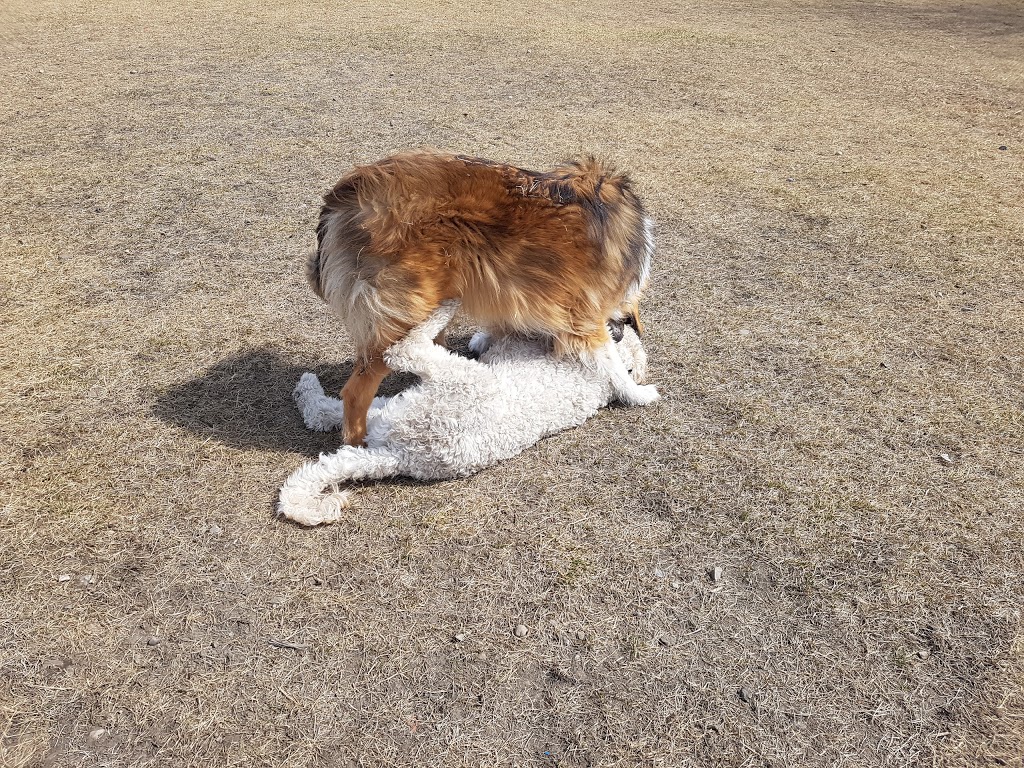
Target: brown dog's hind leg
{"x": 358, "y": 393}
{"x": 375, "y": 331}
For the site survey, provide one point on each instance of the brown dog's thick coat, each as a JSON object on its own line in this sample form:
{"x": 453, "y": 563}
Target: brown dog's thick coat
{"x": 556, "y": 253}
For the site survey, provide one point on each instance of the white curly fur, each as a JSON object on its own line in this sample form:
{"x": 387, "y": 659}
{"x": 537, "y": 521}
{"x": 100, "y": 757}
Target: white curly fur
{"x": 464, "y": 414}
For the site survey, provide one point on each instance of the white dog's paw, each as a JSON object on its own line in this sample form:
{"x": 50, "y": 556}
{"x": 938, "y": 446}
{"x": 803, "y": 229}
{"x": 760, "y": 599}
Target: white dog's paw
{"x": 644, "y": 395}
{"x": 311, "y": 510}
{"x": 308, "y": 385}
{"x": 480, "y": 343}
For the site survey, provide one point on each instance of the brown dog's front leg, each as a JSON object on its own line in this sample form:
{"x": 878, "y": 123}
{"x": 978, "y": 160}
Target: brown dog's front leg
{"x": 357, "y": 394}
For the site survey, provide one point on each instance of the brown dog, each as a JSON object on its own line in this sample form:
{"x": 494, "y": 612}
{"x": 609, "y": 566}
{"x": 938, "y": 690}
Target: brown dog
{"x": 556, "y": 253}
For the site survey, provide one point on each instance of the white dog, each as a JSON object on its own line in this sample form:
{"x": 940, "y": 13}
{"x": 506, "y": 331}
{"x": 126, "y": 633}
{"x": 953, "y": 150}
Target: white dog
{"x": 463, "y": 416}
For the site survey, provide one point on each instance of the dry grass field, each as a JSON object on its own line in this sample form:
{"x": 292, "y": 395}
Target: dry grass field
{"x": 835, "y": 321}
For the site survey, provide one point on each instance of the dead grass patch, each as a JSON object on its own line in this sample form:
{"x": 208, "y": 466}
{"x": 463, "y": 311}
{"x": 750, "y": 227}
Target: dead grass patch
{"x": 835, "y": 307}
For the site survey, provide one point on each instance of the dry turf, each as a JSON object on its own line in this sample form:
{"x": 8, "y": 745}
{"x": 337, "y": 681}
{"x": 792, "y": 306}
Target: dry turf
{"x": 835, "y": 320}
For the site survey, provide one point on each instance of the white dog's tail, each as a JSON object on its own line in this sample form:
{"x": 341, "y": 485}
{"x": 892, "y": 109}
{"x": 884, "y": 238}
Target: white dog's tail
{"x": 306, "y": 496}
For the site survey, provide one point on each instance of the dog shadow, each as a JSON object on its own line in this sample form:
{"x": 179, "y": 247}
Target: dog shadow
{"x": 245, "y": 401}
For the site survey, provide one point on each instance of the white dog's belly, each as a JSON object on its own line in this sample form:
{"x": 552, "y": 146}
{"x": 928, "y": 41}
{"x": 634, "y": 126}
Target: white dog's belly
{"x": 464, "y": 429}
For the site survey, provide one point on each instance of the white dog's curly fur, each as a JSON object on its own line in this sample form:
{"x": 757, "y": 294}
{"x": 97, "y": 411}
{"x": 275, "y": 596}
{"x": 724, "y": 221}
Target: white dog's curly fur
{"x": 463, "y": 416}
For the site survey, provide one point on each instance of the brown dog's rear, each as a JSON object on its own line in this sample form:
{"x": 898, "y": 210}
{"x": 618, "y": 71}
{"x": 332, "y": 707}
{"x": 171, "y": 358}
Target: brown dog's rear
{"x": 557, "y": 253}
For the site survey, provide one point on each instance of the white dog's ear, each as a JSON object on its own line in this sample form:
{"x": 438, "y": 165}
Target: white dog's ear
{"x": 615, "y": 326}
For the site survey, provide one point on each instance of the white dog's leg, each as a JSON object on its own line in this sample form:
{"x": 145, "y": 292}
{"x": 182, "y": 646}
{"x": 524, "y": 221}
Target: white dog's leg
{"x": 323, "y": 413}
{"x": 627, "y": 391}
{"x": 418, "y": 354}
{"x": 326, "y": 414}
{"x": 430, "y": 328}
{"x": 304, "y": 497}
{"x": 427, "y": 360}
{"x": 319, "y": 412}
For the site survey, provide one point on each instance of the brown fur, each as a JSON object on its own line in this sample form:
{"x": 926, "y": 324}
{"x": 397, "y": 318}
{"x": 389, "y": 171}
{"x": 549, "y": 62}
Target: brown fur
{"x": 556, "y": 253}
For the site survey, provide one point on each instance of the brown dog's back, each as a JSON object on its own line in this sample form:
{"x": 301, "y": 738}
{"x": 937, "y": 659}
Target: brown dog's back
{"x": 556, "y": 253}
